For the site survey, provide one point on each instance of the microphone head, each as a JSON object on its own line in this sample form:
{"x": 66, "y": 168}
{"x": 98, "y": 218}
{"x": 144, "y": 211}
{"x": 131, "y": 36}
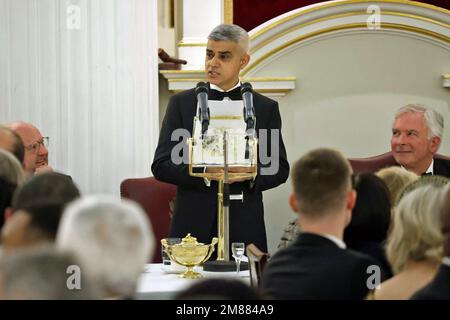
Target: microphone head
{"x": 246, "y": 87}
{"x": 201, "y": 87}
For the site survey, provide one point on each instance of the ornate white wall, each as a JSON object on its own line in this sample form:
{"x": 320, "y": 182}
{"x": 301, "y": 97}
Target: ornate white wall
{"x": 350, "y": 79}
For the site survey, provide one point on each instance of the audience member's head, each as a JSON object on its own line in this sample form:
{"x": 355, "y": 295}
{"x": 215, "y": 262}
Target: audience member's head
{"x": 11, "y": 176}
{"x": 416, "y": 234}
{"x": 31, "y": 225}
{"x": 51, "y": 186}
{"x": 11, "y": 141}
{"x": 42, "y": 273}
{"x": 10, "y": 168}
{"x": 434, "y": 180}
{"x": 219, "y": 289}
{"x": 36, "y": 209}
{"x": 36, "y": 153}
{"x": 322, "y": 188}
{"x": 445, "y": 221}
{"x": 372, "y": 213}
{"x": 396, "y": 178}
{"x": 113, "y": 240}
{"x": 416, "y": 137}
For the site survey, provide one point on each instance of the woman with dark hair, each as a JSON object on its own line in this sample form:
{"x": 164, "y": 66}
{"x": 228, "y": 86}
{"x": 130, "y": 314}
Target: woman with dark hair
{"x": 370, "y": 222}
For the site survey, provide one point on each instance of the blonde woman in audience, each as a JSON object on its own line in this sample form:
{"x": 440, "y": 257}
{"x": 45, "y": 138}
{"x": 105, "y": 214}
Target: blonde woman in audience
{"x": 414, "y": 247}
{"x": 396, "y": 178}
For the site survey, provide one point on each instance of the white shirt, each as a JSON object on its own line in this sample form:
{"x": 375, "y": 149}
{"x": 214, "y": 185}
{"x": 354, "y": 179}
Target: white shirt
{"x": 430, "y": 168}
{"x": 341, "y": 244}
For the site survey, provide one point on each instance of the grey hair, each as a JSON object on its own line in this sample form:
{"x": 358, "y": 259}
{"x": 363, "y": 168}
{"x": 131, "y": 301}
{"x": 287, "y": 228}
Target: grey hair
{"x": 10, "y": 168}
{"x": 433, "y": 119}
{"x": 41, "y": 273}
{"x": 416, "y": 234}
{"x": 112, "y": 238}
{"x": 230, "y": 32}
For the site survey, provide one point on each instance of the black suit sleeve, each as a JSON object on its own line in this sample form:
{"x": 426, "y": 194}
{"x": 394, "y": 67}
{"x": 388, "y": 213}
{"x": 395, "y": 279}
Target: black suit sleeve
{"x": 163, "y": 168}
{"x": 262, "y": 181}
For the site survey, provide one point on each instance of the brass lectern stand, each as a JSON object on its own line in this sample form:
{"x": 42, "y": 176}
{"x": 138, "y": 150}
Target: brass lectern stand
{"x": 223, "y": 173}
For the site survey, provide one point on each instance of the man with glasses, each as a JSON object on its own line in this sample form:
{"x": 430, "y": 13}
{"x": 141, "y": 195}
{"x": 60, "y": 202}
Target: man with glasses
{"x": 36, "y": 153}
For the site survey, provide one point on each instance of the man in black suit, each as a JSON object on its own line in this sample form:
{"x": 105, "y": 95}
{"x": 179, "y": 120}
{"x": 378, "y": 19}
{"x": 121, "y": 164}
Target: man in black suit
{"x": 196, "y": 201}
{"x": 317, "y": 264}
{"x": 439, "y": 287}
{"x": 416, "y": 137}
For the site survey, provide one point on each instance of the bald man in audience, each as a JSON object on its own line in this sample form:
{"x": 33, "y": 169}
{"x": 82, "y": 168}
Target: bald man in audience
{"x": 439, "y": 288}
{"x": 12, "y": 142}
{"x": 416, "y": 137}
{"x": 36, "y": 153}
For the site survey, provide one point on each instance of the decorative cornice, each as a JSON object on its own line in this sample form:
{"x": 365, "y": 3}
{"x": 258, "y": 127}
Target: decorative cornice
{"x": 361, "y": 26}
{"x": 180, "y": 80}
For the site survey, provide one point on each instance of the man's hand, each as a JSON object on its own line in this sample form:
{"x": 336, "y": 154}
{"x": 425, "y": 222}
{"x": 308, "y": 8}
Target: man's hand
{"x": 42, "y": 169}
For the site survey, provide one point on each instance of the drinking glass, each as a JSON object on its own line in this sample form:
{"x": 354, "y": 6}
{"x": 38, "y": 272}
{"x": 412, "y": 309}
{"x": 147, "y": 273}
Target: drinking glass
{"x": 237, "y": 248}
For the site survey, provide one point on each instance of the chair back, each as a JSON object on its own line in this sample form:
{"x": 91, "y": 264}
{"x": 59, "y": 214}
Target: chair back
{"x": 154, "y": 197}
{"x": 257, "y": 260}
{"x": 375, "y": 163}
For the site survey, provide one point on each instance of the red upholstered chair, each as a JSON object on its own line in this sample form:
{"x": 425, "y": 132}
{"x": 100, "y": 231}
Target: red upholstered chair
{"x": 375, "y": 163}
{"x": 372, "y": 164}
{"x": 154, "y": 197}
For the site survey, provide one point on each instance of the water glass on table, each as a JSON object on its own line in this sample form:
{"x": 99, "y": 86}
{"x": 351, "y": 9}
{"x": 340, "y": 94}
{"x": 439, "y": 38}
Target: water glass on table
{"x": 238, "y": 248}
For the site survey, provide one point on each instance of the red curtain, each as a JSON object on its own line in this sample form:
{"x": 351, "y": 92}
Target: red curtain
{"x": 251, "y": 13}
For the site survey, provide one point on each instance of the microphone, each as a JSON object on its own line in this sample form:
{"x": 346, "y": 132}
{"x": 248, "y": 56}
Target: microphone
{"x": 202, "y": 97}
{"x": 249, "y": 111}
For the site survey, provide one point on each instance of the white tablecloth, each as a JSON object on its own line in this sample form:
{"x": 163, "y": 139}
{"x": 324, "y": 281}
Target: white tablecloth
{"x": 157, "y": 284}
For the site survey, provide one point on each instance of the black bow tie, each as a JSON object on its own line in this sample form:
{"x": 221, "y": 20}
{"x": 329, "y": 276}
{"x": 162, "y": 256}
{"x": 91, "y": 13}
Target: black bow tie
{"x": 234, "y": 94}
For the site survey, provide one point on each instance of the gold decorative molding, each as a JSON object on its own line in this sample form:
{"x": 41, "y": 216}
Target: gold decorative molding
{"x": 180, "y": 71}
{"x": 191, "y": 44}
{"x": 343, "y": 3}
{"x": 342, "y": 15}
{"x": 343, "y": 27}
{"x": 228, "y": 11}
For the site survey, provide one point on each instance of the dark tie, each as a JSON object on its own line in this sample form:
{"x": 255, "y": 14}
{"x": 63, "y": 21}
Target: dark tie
{"x": 234, "y": 94}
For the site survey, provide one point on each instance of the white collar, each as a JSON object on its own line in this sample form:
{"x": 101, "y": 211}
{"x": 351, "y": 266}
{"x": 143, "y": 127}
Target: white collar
{"x": 430, "y": 168}
{"x": 213, "y": 86}
{"x": 337, "y": 241}
{"x": 446, "y": 261}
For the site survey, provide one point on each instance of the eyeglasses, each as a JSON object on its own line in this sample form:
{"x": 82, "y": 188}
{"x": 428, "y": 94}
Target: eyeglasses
{"x": 35, "y": 146}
